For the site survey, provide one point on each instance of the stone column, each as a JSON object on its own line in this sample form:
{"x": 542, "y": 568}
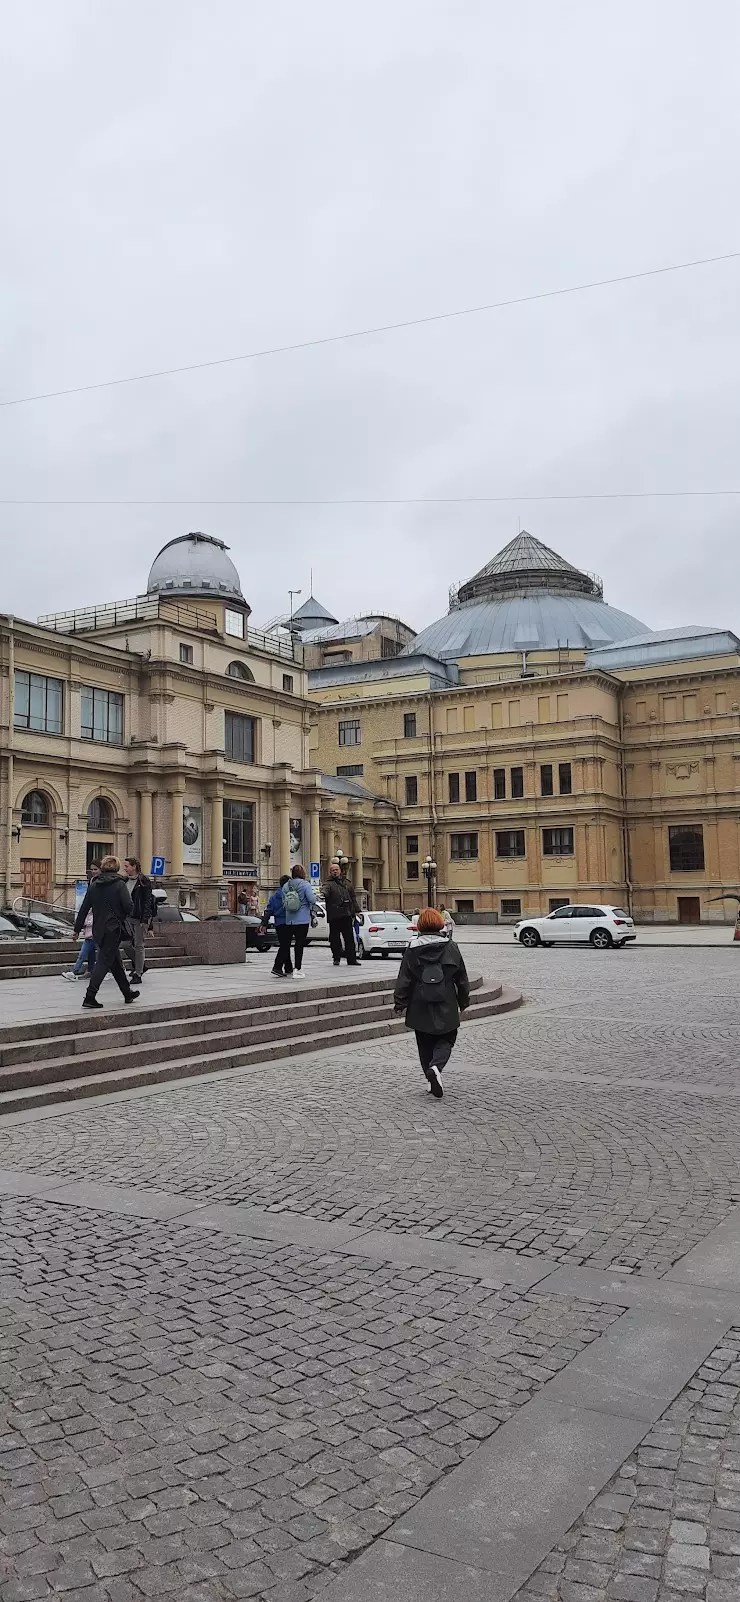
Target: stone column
{"x": 359, "y": 865}
{"x": 314, "y": 834}
{"x": 175, "y": 863}
{"x": 284, "y": 837}
{"x": 384, "y": 866}
{"x": 145, "y": 848}
{"x": 217, "y": 836}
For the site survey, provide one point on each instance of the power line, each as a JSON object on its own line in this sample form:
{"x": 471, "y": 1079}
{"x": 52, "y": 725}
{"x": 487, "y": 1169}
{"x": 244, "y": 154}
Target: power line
{"x": 408, "y": 500}
{"x": 381, "y": 328}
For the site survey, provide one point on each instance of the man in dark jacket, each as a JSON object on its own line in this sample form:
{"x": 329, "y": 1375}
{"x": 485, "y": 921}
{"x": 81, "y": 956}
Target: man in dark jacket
{"x": 341, "y": 909}
{"x": 433, "y": 989}
{"x": 112, "y": 908}
{"x": 140, "y": 890}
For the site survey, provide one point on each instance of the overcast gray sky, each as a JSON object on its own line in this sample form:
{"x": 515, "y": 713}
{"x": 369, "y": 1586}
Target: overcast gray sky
{"x": 184, "y": 181}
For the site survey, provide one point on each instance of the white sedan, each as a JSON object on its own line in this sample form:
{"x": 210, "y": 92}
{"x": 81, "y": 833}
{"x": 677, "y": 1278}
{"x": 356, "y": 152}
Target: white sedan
{"x": 383, "y": 934}
{"x": 600, "y": 926}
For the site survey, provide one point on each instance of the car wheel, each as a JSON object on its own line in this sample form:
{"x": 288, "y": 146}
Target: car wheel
{"x": 601, "y": 939}
{"x": 384, "y": 954}
{"x": 529, "y": 938}
{"x": 263, "y": 945}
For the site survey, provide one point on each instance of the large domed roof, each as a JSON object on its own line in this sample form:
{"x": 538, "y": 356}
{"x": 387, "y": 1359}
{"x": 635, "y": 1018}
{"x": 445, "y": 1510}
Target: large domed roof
{"x": 526, "y": 599}
{"x": 194, "y": 564}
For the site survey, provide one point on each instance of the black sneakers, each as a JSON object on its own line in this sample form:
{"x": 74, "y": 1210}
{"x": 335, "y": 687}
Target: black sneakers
{"x": 136, "y": 978}
{"x": 435, "y": 1082}
{"x": 92, "y": 1003}
{"x": 133, "y": 995}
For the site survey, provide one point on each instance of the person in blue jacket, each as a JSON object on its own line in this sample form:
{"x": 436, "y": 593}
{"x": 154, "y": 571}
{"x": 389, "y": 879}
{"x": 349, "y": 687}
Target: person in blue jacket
{"x": 298, "y": 899}
{"x": 275, "y": 909}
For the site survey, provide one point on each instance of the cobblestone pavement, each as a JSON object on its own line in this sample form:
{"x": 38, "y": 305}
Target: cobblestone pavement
{"x": 196, "y": 1415}
{"x": 542, "y": 1165}
{"x": 667, "y": 1527}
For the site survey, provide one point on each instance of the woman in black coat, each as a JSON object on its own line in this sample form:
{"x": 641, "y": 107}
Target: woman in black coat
{"x": 433, "y": 990}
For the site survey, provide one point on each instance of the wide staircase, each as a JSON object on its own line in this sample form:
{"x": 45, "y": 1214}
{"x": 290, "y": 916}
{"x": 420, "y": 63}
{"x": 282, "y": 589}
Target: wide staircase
{"x": 41, "y": 959}
{"x": 93, "y": 1053}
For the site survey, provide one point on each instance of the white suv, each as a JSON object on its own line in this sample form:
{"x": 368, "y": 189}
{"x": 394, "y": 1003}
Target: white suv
{"x": 599, "y": 926}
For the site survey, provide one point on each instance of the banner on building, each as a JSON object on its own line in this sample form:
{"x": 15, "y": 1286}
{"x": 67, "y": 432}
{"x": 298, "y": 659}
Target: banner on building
{"x": 296, "y": 841}
{"x": 192, "y": 836}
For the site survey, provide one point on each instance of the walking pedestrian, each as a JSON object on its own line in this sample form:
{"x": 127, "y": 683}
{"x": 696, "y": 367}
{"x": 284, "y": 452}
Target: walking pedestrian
{"x": 298, "y": 899}
{"x": 275, "y": 909}
{"x": 433, "y": 990}
{"x": 140, "y": 891}
{"x": 112, "y": 908}
{"x": 341, "y": 910}
{"x": 88, "y": 950}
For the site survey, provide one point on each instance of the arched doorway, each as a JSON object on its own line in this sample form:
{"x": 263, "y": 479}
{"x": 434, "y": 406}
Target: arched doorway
{"x": 36, "y": 814}
{"x": 99, "y": 831}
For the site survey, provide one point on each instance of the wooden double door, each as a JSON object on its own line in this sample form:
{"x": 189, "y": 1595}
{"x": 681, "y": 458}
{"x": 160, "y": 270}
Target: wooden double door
{"x": 36, "y": 872}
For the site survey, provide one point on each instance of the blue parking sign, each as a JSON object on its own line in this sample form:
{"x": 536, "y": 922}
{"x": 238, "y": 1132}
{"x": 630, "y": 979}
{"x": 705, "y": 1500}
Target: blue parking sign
{"x": 157, "y": 868}
{"x": 315, "y": 870}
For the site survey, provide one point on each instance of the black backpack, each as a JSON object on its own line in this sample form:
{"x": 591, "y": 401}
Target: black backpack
{"x": 431, "y": 983}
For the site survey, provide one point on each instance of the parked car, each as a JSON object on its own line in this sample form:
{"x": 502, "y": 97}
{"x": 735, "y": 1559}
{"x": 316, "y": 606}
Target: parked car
{"x": 10, "y": 931}
{"x": 169, "y": 914}
{"x": 40, "y": 925}
{"x": 446, "y": 934}
{"x": 383, "y": 934}
{"x": 600, "y": 926}
{"x": 264, "y": 936}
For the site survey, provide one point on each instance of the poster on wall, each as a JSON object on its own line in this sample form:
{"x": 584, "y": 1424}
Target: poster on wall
{"x": 296, "y": 841}
{"x": 192, "y": 836}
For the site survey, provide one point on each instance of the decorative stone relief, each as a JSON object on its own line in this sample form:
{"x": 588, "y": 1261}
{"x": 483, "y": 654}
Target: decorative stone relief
{"x": 682, "y": 770}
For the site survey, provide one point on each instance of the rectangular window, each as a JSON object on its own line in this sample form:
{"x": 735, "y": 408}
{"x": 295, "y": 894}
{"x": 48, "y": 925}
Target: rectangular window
{"x": 186, "y": 655}
{"x": 463, "y": 847}
{"x": 452, "y": 720}
{"x": 238, "y": 833}
{"x": 409, "y": 725}
{"x": 240, "y": 737}
{"x": 497, "y": 714}
{"x": 563, "y": 713}
{"x": 412, "y": 790}
{"x": 510, "y": 843}
{"x": 351, "y": 770}
{"x": 350, "y": 732}
{"x": 412, "y": 845}
{"x": 517, "y": 783}
{"x": 556, "y": 902}
{"x": 686, "y": 846}
{"x": 287, "y": 683}
{"x": 546, "y": 784}
{"x": 511, "y": 907}
{"x": 471, "y": 786}
{"x": 557, "y": 842}
{"x": 689, "y": 707}
{"x": 453, "y": 786}
{"x": 412, "y": 870}
{"x": 565, "y": 778}
{"x": 514, "y": 714}
{"x": 38, "y": 703}
{"x": 499, "y": 784}
{"x": 234, "y": 623}
{"x": 543, "y": 709}
{"x": 669, "y": 708}
{"x": 469, "y": 718}
{"x": 101, "y": 715}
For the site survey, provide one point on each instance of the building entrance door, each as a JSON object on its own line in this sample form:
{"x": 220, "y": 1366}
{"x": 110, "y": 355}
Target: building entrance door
{"x": 689, "y": 909}
{"x": 36, "y": 873}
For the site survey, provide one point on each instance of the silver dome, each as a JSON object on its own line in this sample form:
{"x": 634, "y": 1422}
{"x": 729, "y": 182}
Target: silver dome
{"x": 194, "y": 564}
{"x": 534, "y": 622}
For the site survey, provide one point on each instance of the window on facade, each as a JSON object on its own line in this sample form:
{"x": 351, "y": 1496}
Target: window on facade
{"x": 99, "y": 818}
{"x": 409, "y": 725}
{"x": 412, "y": 845}
{"x": 412, "y": 790}
{"x": 510, "y": 843}
{"x": 239, "y": 670}
{"x": 238, "y": 833}
{"x": 556, "y": 902}
{"x": 412, "y": 870}
{"x": 186, "y": 654}
{"x": 463, "y": 847}
{"x": 557, "y": 842}
{"x": 350, "y": 732}
{"x": 546, "y": 784}
{"x": 288, "y": 683}
{"x": 389, "y": 647}
{"x": 517, "y": 783}
{"x": 453, "y": 786}
{"x": 565, "y": 778}
{"x": 499, "y": 784}
{"x": 332, "y": 657}
{"x": 234, "y": 623}
{"x": 35, "y": 810}
{"x": 241, "y": 737}
{"x": 351, "y": 770}
{"x": 686, "y": 846}
{"x": 511, "y": 907}
{"x": 38, "y": 703}
{"x": 96, "y": 850}
{"x": 471, "y": 786}
{"x": 101, "y": 715}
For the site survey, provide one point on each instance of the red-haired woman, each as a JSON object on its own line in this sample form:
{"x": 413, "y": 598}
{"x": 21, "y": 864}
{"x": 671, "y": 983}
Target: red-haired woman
{"x": 433, "y": 989}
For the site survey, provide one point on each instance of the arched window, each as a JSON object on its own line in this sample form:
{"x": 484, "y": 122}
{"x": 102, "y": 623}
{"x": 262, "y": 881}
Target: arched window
{"x": 239, "y": 670}
{"x": 99, "y": 817}
{"x": 35, "y": 810}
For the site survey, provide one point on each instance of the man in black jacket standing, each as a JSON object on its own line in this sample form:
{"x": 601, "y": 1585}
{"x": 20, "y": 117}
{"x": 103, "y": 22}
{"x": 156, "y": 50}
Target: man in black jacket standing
{"x": 341, "y": 909}
{"x": 112, "y": 908}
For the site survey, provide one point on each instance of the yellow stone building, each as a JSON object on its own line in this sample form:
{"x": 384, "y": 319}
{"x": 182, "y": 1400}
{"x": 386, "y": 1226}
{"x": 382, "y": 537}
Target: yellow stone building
{"x": 540, "y": 747}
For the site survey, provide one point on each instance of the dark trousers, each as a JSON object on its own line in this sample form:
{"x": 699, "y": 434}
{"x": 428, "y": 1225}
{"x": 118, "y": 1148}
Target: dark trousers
{"x": 434, "y": 1050}
{"x": 342, "y": 933}
{"x": 108, "y": 961}
{"x": 282, "y": 963}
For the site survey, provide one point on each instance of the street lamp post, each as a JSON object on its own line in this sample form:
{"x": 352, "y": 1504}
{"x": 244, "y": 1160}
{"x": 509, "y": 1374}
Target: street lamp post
{"x": 429, "y": 869}
{"x": 343, "y": 862}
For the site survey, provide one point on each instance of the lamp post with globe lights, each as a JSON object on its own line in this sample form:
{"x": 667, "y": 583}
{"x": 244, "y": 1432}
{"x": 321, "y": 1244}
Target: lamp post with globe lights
{"x": 429, "y": 870}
